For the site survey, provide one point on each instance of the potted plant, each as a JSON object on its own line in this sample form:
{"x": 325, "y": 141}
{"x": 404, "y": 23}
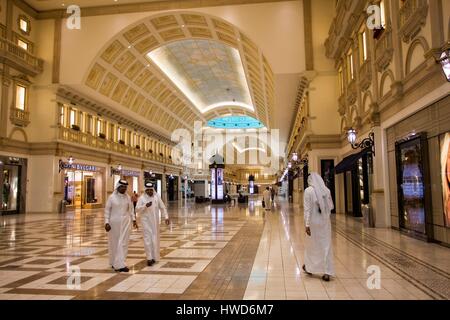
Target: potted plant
{"x": 121, "y": 142}
{"x": 151, "y": 151}
{"x": 161, "y": 154}
{"x": 75, "y": 127}
{"x": 102, "y": 136}
{"x": 138, "y": 147}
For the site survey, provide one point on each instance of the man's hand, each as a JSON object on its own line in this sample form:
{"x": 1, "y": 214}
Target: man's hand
{"x": 167, "y": 221}
{"x": 107, "y": 227}
{"x": 135, "y": 225}
{"x": 308, "y": 231}
{"x": 148, "y": 205}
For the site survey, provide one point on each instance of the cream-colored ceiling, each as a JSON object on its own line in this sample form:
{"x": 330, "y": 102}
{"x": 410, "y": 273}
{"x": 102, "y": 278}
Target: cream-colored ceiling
{"x": 209, "y": 73}
{"x": 123, "y": 73}
{"x": 43, "y": 5}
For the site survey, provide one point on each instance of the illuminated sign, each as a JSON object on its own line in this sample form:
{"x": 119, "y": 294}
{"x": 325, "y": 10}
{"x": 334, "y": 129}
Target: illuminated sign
{"x": 76, "y": 166}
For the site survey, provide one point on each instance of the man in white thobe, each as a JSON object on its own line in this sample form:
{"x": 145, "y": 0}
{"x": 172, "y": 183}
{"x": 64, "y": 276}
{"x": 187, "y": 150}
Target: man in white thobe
{"x": 267, "y": 195}
{"x": 118, "y": 216}
{"x": 318, "y": 249}
{"x": 148, "y": 207}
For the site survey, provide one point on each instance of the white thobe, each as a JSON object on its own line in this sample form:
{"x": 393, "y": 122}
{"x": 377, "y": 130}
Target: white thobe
{"x": 119, "y": 214}
{"x": 150, "y": 223}
{"x": 267, "y": 196}
{"x": 318, "y": 248}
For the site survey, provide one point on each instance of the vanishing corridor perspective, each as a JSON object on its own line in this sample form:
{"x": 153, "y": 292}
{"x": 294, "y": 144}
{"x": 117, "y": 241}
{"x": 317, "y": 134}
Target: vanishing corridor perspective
{"x": 225, "y": 150}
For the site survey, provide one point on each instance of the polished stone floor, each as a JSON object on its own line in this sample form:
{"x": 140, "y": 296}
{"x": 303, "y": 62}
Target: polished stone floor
{"x": 214, "y": 252}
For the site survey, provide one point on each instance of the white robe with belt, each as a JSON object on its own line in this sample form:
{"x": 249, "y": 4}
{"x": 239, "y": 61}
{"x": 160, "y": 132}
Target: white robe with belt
{"x": 318, "y": 248}
{"x": 150, "y": 223}
{"x": 119, "y": 214}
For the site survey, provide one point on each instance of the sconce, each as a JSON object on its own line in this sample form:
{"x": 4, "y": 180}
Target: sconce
{"x": 368, "y": 142}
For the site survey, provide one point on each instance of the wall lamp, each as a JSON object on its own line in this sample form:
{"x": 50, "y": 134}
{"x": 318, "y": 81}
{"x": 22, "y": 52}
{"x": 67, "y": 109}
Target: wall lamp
{"x": 368, "y": 142}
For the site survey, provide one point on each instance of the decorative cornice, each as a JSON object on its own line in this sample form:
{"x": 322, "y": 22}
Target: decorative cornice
{"x": 149, "y": 7}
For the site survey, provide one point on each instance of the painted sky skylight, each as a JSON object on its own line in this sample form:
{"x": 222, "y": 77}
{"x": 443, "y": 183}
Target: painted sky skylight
{"x": 210, "y": 74}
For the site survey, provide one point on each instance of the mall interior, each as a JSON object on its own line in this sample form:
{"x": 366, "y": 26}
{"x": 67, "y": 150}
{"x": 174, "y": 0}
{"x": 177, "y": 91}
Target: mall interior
{"x": 213, "y": 102}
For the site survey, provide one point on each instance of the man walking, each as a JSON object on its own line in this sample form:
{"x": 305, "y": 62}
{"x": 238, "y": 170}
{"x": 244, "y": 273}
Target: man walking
{"x": 318, "y": 249}
{"x": 118, "y": 216}
{"x": 148, "y": 207}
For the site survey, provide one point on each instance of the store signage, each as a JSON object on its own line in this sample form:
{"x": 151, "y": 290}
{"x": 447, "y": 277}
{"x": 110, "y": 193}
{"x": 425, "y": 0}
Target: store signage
{"x": 126, "y": 173}
{"x": 76, "y": 166}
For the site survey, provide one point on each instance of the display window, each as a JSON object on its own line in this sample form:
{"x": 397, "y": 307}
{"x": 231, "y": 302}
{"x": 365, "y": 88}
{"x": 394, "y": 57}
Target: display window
{"x": 411, "y": 185}
{"x": 445, "y": 176}
{"x": 83, "y": 186}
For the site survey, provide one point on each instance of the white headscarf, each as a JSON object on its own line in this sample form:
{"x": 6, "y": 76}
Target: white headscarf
{"x": 120, "y": 183}
{"x": 323, "y": 194}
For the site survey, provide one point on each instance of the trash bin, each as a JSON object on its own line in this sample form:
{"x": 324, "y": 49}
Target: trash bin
{"x": 62, "y": 206}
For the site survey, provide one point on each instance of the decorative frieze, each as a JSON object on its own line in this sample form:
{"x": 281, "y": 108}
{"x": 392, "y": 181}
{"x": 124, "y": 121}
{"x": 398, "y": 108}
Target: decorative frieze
{"x": 384, "y": 50}
{"x": 413, "y": 14}
{"x": 365, "y": 75}
{"x": 351, "y": 92}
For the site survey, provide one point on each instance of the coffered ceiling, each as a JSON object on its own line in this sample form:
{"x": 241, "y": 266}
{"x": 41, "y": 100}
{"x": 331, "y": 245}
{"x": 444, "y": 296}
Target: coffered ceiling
{"x": 205, "y": 55}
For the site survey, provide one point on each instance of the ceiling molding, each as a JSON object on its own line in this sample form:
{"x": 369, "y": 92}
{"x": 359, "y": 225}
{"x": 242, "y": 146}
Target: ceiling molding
{"x": 147, "y": 7}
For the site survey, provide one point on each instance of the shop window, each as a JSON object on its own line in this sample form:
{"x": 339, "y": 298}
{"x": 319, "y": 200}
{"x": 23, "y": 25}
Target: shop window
{"x": 22, "y": 44}
{"x": 21, "y": 94}
{"x": 61, "y": 115}
{"x": 383, "y": 14}
{"x": 24, "y": 24}
{"x": 350, "y": 67}
{"x": 445, "y": 170}
{"x": 72, "y": 119}
{"x": 363, "y": 46}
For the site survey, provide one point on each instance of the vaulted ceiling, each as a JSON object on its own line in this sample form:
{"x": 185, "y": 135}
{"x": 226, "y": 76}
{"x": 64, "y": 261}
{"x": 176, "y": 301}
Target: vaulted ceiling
{"x": 179, "y": 67}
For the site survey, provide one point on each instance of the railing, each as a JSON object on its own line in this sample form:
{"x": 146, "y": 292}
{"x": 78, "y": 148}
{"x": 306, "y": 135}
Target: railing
{"x": 89, "y": 140}
{"x": 23, "y": 55}
{"x": 20, "y": 117}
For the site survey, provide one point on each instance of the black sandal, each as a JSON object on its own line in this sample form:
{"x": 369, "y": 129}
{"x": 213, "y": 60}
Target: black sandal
{"x": 326, "y": 277}
{"x": 304, "y": 269}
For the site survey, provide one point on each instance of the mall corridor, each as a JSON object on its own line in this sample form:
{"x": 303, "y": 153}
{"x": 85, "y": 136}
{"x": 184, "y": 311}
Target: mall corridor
{"x": 111, "y": 110}
{"x": 214, "y": 252}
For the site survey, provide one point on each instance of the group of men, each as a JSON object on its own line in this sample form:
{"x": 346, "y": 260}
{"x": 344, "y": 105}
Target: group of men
{"x": 120, "y": 215}
{"x": 269, "y": 197}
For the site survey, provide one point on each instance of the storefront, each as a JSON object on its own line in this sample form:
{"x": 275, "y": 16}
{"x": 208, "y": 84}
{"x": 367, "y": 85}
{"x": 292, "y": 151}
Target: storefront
{"x": 358, "y": 173}
{"x": 13, "y": 177}
{"x": 419, "y": 173}
{"x": 83, "y": 184}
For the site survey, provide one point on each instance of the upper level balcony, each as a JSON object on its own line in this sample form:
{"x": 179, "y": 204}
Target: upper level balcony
{"x": 19, "y": 58}
{"x": 89, "y": 140}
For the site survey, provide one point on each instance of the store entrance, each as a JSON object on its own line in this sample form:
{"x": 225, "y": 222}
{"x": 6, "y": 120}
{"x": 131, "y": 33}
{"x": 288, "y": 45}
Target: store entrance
{"x": 13, "y": 184}
{"x": 83, "y": 189}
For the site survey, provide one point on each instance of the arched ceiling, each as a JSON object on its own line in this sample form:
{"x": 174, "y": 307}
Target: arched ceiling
{"x": 218, "y": 62}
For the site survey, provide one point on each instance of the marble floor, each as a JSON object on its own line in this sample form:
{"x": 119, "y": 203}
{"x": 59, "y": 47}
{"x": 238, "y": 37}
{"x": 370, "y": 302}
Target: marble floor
{"x": 214, "y": 252}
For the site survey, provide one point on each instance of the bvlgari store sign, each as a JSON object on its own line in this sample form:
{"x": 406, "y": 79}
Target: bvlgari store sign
{"x": 126, "y": 173}
{"x": 76, "y": 166}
